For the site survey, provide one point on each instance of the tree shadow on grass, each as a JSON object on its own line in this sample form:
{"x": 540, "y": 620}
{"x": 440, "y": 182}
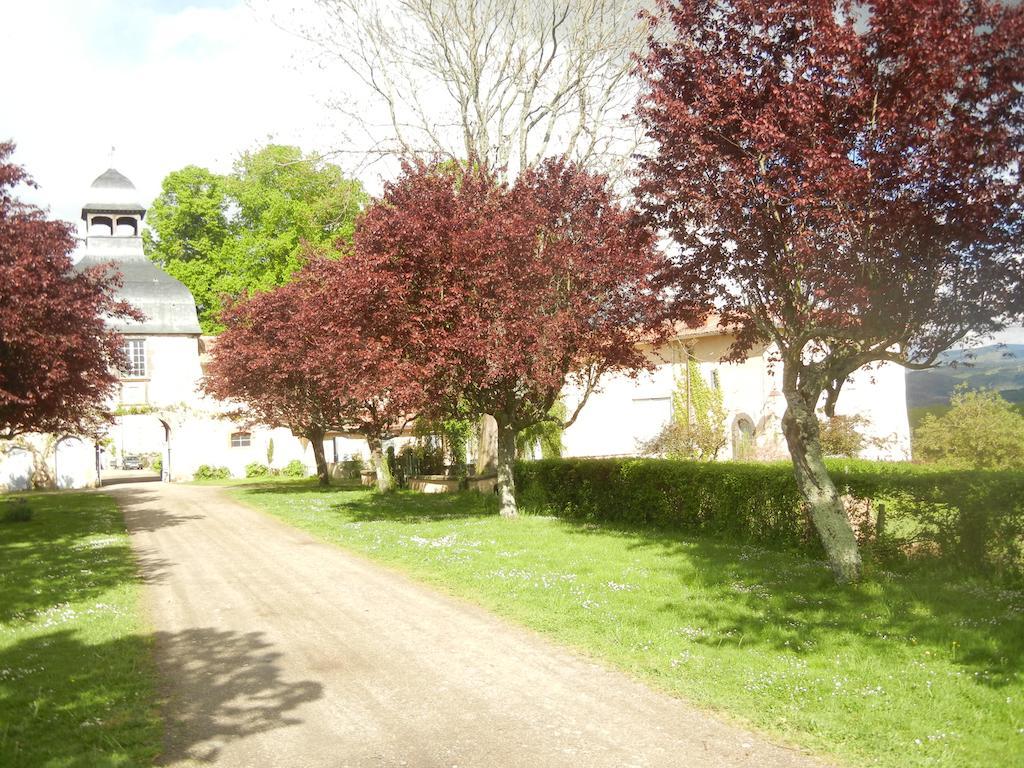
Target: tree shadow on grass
{"x": 414, "y": 507}
{"x": 357, "y": 503}
{"x": 73, "y": 549}
{"x": 82, "y": 705}
{"x": 779, "y": 600}
{"x": 298, "y": 486}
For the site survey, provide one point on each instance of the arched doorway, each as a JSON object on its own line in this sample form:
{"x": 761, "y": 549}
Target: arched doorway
{"x": 74, "y": 463}
{"x": 743, "y": 438}
{"x": 135, "y": 449}
{"x": 16, "y": 469}
{"x": 165, "y": 465}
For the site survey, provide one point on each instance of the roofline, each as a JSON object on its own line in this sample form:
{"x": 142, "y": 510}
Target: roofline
{"x": 113, "y": 208}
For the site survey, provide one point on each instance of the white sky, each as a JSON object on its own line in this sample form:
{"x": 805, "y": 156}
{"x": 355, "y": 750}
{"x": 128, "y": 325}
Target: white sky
{"x": 168, "y": 83}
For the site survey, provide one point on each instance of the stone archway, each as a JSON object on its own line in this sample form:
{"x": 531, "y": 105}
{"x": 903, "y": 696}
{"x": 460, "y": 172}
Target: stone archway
{"x": 138, "y": 444}
{"x": 743, "y": 432}
{"x": 165, "y": 466}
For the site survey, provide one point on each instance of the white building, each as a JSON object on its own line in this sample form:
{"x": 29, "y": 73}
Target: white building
{"x": 626, "y": 412}
{"x": 161, "y": 412}
{"x": 158, "y": 406}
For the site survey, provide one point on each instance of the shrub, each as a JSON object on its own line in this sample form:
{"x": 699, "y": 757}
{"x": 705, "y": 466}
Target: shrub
{"x": 841, "y": 436}
{"x": 981, "y": 430}
{"x": 350, "y": 468}
{"x": 255, "y": 469}
{"x": 16, "y": 511}
{"x": 697, "y": 429}
{"x": 207, "y": 472}
{"x": 973, "y": 519}
{"x": 158, "y": 465}
{"x": 294, "y": 468}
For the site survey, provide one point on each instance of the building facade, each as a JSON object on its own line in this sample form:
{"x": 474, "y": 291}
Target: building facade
{"x": 160, "y": 411}
{"x": 627, "y": 412}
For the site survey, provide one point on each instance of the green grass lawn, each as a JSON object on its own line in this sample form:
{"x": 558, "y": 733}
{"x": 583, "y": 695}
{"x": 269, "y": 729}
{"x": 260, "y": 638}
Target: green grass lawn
{"x": 77, "y": 684}
{"x": 902, "y": 670}
{"x": 246, "y": 481}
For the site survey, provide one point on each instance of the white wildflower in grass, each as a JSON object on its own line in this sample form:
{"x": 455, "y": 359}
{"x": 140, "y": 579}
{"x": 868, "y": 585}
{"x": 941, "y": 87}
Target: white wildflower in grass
{"x": 839, "y": 685}
{"x": 56, "y": 615}
{"x": 692, "y": 633}
{"x": 682, "y": 658}
{"x": 616, "y": 587}
{"x": 96, "y": 542}
{"x": 551, "y": 580}
{"x": 512, "y": 574}
{"x": 757, "y": 590}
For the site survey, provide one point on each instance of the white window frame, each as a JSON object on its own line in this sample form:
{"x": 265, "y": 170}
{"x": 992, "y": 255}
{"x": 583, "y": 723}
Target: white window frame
{"x": 135, "y": 353}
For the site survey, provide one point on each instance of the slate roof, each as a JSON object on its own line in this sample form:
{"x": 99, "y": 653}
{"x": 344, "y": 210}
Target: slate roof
{"x": 166, "y": 302}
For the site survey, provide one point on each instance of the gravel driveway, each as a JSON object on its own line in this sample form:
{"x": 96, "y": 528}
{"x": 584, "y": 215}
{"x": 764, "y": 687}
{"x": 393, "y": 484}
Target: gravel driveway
{"x": 278, "y": 650}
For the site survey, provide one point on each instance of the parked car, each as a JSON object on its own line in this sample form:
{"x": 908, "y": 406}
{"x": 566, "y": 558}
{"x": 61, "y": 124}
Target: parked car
{"x": 131, "y": 462}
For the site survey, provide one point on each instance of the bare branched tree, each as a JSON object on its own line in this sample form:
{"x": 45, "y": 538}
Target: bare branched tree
{"x": 505, "y": 83}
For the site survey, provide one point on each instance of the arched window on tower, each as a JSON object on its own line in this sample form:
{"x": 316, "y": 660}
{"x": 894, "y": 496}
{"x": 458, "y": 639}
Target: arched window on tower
{"x": 101, "y": 225}
{"x": 126, "y": 227}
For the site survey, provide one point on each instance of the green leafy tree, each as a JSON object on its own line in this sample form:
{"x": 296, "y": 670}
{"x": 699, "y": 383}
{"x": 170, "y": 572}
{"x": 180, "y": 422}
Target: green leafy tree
{"x": 249, "y": 230}
{"x": 981, "y": 430}
{"x": 841, "y": 435}
{"x": 697, "y": 429}
{"x": 547, "y": 434}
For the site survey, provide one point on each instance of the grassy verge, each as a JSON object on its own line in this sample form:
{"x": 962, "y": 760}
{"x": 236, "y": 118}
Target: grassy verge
{"x": 77, "y": 684}
{"x": 903, "y": 670}
{"x": 234, "y": 482}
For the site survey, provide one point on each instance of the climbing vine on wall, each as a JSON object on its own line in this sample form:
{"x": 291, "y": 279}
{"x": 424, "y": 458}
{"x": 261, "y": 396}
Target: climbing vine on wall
{"x": 697, "y": 429}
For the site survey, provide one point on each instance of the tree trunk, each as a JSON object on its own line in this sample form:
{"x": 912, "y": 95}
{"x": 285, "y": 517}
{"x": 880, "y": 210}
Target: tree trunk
{"x": 379, "y": 462}
{"x": 506, "y": 471}
{"x": 322, "y": 473}
{"x": 800, "y": 426}
{"x": 487, "y": 446}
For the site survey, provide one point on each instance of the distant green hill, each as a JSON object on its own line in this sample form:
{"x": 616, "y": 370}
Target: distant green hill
{"x": 994, "y": 367}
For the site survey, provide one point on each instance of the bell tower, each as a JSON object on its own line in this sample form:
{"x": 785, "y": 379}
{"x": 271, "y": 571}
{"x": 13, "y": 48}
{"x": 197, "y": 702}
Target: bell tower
{"x": 113, "y": 217}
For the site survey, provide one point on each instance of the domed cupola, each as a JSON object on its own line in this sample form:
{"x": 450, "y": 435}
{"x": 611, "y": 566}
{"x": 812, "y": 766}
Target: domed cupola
{"x": 113, "y": 229}
{"x": 113, "y": 209}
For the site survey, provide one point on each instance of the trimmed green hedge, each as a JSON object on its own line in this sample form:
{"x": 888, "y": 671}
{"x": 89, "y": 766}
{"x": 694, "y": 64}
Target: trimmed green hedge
{"x": 974, "y": 519}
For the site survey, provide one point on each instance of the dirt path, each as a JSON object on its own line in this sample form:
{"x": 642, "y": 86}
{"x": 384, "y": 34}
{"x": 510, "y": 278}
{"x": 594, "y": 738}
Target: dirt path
{"x": 277, "y": 650}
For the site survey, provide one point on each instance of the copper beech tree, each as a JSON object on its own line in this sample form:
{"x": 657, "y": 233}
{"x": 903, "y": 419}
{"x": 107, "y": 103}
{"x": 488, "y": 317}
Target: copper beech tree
{"x": 844, "y": 180}
{"x": 265, "y": 361}
{"x": 499, "y": 293}
{"x": 58, "y": 359}
{"x": 380, "y": 390}
{"x": 298, "y": 357}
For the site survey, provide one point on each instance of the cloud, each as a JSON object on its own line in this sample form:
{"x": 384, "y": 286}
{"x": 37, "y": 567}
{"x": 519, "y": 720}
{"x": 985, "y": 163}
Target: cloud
{"x": 166, "y": 83}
